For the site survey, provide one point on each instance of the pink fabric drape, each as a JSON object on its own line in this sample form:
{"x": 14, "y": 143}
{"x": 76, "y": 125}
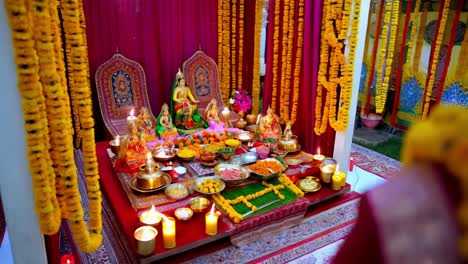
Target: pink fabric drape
{"x": 304, "y": 126}
{"x": 160, "y": 35}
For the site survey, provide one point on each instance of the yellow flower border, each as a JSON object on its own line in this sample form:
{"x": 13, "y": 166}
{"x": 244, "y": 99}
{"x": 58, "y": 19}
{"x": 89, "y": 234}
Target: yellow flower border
{"x": 227, "y": 204}
{"x": 274, "y": 85}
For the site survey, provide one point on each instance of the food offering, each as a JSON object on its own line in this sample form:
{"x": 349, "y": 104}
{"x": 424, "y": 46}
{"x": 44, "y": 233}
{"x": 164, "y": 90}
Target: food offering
{"x": 186, "y": 154}
{"x": 209, "y": 185}
{"x": 176, "y": 191}
{"x": 309, "y": 184}
{"x": 266, "y": 169}
{"x": 163, "y": 153}
{"x": 245, "y": 136}
{"x": 226, "y": 153}
{"x": 208, "y": 159}
{"x": 213, "y": 148}
{"x": 231, "y": 173}
{"x": 233, "y": 143}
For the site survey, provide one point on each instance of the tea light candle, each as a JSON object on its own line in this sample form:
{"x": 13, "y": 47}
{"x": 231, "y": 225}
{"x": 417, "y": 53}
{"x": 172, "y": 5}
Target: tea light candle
{"x": 131, "y": 117}
{"x": 169, "y": 232}
{"x": 318, "y": 156}
{"x": 145, "y": 238}
{"x": 211, "y": 222}
{"x": 117, "y": 141}
{"x": 150, "y": 217}
{"x": 338, "y": 180}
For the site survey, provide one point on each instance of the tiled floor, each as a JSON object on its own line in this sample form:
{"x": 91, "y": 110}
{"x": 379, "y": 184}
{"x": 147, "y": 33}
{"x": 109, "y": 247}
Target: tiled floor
{"x": 360, "y": 181}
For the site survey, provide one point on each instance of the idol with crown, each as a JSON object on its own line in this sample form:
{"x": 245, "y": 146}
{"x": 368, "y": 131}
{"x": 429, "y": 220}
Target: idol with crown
{"x": 185, "y": 108}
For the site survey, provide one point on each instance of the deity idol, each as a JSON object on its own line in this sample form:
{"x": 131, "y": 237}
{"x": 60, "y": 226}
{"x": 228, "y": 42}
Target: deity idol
{"x": 147, "y": 125}
{"x": 185, "y": 107}
{"x": 270, "y": 126}
{"x": 164, "y": 126}
{"x": 133, "y": 150}
{"x": 212, "y": 116}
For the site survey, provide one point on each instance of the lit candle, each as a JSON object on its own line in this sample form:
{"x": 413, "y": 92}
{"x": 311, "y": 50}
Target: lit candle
{"x": 338, "y": 180}
{"x": 211, "y": 222}
{"x": 117, "y": 141}
{"x": 67, "y": 259}
{"x": 149, "y": 165}
{"x": 226, "y": 114}
{"x": 150, "y": 217}
{"x": 169, "y": 232}
{"x": 145, "y": 238}
{"x": 318, "y": 156}
{"x": 131, "y": 117}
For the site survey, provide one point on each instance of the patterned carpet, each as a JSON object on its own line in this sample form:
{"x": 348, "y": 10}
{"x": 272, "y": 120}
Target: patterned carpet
{"x": 374, "y": 162}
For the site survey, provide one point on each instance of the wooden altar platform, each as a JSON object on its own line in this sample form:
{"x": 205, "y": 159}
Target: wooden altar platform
{"x": 190, "y": 235}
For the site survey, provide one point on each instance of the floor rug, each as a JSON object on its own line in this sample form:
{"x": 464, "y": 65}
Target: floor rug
{"x": 374, "y": 162}
{"x": 324, "y": 224}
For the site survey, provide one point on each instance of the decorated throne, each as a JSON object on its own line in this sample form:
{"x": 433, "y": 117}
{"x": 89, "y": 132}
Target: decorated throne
{"x": 201, "y": 75}
{"x": 121, "y": 87}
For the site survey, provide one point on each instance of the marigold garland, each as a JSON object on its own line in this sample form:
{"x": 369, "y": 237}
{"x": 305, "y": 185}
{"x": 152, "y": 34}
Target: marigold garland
{"x": 233, "y": 43}
{"x": 47, "y": 114}
{"x": 286, "y": 61}
{"x": 256, "y": 59}
{"x": 409, "y": 58}
{"x": 274, "y": 85}
{"x": 298, "y": 58}
{"x": 386, "y": 53}
{"x": 435, "y": 58}
{"x": 241, "y": 43}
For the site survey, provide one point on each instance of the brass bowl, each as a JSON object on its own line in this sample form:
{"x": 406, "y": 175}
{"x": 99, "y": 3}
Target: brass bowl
{"x": 199, "y": 204}
{"x": 244, "y": 136}
{"x": 150, "y": 181}
{"x": 226, "y": 153}
{"x": 288, "y": 144}
{"x": 207, "y": 156}
{"x": 183, "y": 213}
{"x": 163, "y": 154}
{"x": 114, "y": 147}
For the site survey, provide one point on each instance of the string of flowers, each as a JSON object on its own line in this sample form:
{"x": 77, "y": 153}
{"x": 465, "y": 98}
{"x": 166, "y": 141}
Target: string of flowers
{"x": 220, "y": 48}
{"x": 65, "y": 100}
{"x": 284, "y": 56}
{"x": 420, "y": 38}
{"x": 370, "y": 75}
{"x": 289, "y": 65}
{"x": 320, "y": 117}
{"x": 241, "y": 43}
{"x": 233, "y": 43}
{"x": 88, "y": 241}
{"x": 225, "y": 88}
{"x": 297, "y": 67}
{"x": 414, "y": 19}
{"x": 341, "y": 123}
{"x": 48, "y": 123}
{"x": 256, "y": 59}
{"x": 436, "y": 43}
{"x": 274, "y": 84}
{"x": 35, "y": 117}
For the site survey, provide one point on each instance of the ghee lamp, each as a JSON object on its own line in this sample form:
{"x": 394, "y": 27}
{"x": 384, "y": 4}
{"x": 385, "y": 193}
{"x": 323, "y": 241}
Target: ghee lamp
{"x": 145, "y": 240}
{"x": 150, "y": 217}
{"x": 318, "y": 156}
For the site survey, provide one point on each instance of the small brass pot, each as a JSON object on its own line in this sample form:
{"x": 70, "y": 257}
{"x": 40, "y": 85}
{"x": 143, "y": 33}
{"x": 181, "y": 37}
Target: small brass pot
{"x": 288, "y": 144}
{"x": 150, "y": 181}
{"x": 251, "y": 119}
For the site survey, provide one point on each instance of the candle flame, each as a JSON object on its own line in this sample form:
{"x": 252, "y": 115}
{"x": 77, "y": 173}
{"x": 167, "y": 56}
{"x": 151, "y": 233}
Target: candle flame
{"x": 117, "y": 140}
{"x": 148, "y": 156}
{"x": 68, "y": 261}
{"x": 212, "y": 209}
{"x": 132, "y": 112}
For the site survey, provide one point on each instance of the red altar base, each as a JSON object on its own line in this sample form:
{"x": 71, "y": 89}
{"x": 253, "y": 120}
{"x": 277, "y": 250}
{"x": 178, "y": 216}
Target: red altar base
{"x": 187, "y": 237}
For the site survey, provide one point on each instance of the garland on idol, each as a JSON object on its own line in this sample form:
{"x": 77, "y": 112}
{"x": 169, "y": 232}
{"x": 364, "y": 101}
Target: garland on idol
{"x": 48, "y": 123}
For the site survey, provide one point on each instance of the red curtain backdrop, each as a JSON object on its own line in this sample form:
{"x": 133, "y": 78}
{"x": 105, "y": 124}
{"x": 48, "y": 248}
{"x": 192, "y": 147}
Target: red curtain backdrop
{"x": 304, "y": 126}
{"x": 160, "y": 35}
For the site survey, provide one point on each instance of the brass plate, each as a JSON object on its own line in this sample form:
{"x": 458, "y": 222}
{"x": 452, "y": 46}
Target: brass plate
{"x": 309, "y": 178}
{"x": 133, "y": 185}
